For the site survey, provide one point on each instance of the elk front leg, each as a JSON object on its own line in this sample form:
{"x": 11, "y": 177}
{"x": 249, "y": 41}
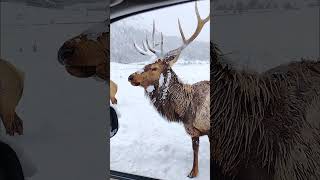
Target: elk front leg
{"x": 195, "y": 147}
{"x": 114, "y": 100}
{"x": 12, "y": 123}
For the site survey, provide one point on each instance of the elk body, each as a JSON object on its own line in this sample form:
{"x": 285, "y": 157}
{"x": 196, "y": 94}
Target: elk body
{"x": 11, "y": 89}
{"x": 87, "y": 54}
{"x": 267, "y": 125}
{"x": 174, "y": 100}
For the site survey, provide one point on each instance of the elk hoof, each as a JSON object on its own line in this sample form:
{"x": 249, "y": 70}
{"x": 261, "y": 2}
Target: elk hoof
{"x": 114, "y": 101}
{"x": 193, "y": 174}
{"x": 13, "y": 127}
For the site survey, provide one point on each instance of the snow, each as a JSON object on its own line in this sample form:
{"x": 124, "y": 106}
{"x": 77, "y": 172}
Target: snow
{"x": 146, "y": 144}
{"x": 150, "y": 89}
{"x": 166, "y": 86}
{"x": 140, "y": 71}
{"x": 161, "y": 79}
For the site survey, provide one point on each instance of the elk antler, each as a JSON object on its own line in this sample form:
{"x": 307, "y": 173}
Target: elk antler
{"x": 200, "y": 24}
{"x": 146, "y": 51}
{"x": 172, "y": 56}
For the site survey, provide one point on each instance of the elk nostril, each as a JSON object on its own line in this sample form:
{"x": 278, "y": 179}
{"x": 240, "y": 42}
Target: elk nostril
{"x": 64, "y": 53}
{"x": 130, "y": 78}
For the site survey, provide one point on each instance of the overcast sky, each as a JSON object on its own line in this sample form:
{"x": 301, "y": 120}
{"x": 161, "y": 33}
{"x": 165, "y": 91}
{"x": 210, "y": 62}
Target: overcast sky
{"x": 167, "y": 19}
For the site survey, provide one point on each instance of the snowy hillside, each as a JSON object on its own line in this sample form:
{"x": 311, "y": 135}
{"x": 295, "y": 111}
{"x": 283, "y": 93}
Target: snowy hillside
{"x": 146, "y": 144}
{"x": 137, "y": 27}
{"x": 123, "y": 33}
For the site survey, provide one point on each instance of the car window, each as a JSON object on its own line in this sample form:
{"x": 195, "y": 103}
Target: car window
{"x": 147, "y": 144}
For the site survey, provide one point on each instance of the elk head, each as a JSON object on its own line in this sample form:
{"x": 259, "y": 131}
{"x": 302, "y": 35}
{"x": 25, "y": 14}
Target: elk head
{"x": 151, "y": 73}
{"x": 86, "y": 55}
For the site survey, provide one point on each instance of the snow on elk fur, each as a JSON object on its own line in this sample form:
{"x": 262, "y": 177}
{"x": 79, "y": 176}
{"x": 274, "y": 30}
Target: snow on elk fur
{"x": 11, "y": 89}
{"x": 174, "y": 100}
{"x": 267, "y": 125}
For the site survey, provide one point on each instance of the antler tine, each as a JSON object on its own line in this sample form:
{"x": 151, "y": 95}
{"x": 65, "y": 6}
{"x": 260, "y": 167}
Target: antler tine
{"x": 161, "y": 44}
{"x": 144, "y": 46}
{"x": 139, "y": 49}
{"x": 181, "y": 32}
{"x": 200, "y": 24}
{"x": 153, "y": 32}
{"x": 150, "y": 49}
{"x": 199, "y": 17}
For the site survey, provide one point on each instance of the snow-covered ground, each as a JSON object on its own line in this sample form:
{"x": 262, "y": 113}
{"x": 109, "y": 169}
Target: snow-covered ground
{"x": 146, "y": 144}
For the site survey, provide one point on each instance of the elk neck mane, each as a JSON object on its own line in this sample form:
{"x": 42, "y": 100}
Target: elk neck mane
{"x": 239, "y": 100}
{"x": 170, "y": 96}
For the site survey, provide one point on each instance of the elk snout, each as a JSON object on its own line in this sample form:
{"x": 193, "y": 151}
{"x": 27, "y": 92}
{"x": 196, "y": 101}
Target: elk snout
{"x": 64, "y": 54}
{"x": 133, "y": 80}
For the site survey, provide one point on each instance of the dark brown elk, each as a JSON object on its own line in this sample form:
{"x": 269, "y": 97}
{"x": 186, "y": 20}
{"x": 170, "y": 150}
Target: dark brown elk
{"x": 11, "y": 90}
{"x": 265, "y": 125}
{"x": 174, "y": 100}
{"x": 87, "y": 55}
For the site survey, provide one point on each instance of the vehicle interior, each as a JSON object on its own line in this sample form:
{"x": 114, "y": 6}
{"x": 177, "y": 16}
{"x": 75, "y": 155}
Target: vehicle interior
{"x": 122, "y": 9}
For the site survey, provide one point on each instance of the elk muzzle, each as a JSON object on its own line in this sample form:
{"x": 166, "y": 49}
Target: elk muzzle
{"x": 65, "y": 54}
{"x": 67, "y": 57}
{"x": 133, "y": 80}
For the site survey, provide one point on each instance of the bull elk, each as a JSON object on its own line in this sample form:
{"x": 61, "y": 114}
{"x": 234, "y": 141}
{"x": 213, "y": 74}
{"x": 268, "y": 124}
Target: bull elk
{"x": 266, "y": 125}
{"x": 11, "y": 90}
{"x": 174, "y": 100}
{"x": 87, "y": 54}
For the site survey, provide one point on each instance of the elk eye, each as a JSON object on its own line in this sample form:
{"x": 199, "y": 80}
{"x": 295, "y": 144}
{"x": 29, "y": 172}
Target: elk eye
{"x": 154, "y": 69}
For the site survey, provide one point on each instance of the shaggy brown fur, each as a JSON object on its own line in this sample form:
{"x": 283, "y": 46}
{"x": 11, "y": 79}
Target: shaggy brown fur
{"x": 11, "y": 89}
{"x": 183, "y": 102}
{"x": 266, "y": 125}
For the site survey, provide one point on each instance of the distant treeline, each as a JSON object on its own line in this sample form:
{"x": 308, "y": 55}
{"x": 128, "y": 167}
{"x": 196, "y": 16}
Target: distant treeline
{"x": 122, "y": 49}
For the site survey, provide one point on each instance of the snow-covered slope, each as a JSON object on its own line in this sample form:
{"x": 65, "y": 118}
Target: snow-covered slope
{"x": 146, "y": 144}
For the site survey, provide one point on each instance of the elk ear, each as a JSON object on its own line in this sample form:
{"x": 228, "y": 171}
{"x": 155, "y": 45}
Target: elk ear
{"x": 172, "y": 60}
